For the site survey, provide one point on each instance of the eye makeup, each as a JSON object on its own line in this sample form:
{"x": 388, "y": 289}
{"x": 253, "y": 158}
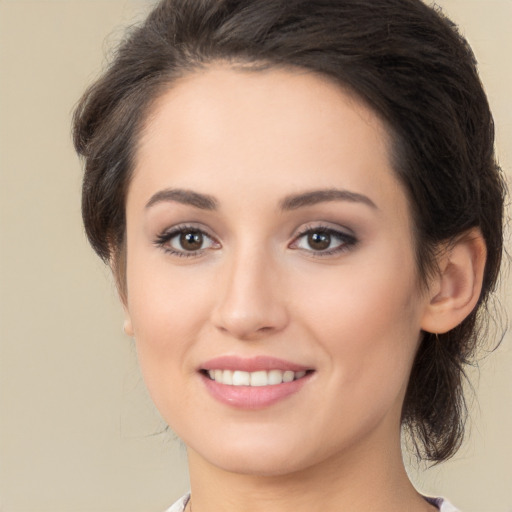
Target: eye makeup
{"x": 185, "y": 241}
{"x": 323, "y": 241}
{"x": 320, "y": 240}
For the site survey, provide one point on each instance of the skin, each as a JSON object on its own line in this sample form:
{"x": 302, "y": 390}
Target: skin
{"x": 249, "y": 140}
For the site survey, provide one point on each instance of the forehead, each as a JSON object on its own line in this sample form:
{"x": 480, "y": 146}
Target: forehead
{"x": 220, "y": 96}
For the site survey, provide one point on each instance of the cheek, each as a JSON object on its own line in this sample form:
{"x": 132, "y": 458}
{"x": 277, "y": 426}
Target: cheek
{"x": 166, "y": 306}
{"x": 368, "y": 324}
{"x": 167, "y": 311}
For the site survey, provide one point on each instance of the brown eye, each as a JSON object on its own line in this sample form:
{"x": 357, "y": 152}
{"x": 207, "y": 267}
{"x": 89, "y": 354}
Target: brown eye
{"x": 319, "y": 241}
{"x": 185, "y": 241}
{"x": 324, "y": 241}
{"x": 191, "y": 240}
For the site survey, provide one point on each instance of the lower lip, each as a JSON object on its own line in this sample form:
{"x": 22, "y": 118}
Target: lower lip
{"x": 253, "y": 397}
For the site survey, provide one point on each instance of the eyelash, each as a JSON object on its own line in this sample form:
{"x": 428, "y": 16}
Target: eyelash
{"x": 347, "y": 241}
{"x": 163, "y": 239}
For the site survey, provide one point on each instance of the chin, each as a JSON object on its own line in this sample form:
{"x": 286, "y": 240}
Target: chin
{"x": 258, "y": 464}
{"x": 260, "y": 457}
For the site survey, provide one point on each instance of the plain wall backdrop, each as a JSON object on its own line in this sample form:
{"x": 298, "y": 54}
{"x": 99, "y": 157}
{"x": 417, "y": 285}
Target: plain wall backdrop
{"x": 77, "y": 431}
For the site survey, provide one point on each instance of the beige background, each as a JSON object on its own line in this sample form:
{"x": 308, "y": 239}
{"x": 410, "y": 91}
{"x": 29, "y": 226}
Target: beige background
{"x": 77, "y": 432}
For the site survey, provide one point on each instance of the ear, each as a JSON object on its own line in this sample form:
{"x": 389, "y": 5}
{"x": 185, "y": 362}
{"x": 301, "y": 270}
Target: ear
{"x": 455, "y": 290}
{"x": 121, "y": 291}
{"x": 117, "y": 263}
{"x": 127, "y": 324}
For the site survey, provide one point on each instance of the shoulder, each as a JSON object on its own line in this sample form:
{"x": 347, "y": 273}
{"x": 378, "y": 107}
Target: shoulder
{"x": 442, "y": 504}
{"x": 446, "y": 506}
{"x": 179, "y": 506}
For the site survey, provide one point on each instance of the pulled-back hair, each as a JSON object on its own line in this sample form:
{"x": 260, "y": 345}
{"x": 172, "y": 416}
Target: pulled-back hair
{"x": 403, "y": 59}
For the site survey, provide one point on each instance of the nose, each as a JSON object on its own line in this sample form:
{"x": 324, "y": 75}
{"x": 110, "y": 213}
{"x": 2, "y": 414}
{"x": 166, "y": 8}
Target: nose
{"x": 251, "y": 303}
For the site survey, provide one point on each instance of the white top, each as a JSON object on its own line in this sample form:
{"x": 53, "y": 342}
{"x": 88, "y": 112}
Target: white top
{"x": 440, "y": 503}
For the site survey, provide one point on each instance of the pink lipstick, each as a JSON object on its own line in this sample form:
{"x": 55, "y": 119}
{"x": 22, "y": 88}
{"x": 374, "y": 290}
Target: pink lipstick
{"x": 253, "y": 383}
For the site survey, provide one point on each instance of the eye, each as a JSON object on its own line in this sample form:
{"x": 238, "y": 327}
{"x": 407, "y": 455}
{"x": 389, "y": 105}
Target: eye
{"x": 185, "y": 241}
{"x": 323, "y": 241}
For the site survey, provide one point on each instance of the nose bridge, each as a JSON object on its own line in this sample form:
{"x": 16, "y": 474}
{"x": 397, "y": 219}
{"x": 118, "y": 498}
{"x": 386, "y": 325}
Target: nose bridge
{"x": 250, "y": 303}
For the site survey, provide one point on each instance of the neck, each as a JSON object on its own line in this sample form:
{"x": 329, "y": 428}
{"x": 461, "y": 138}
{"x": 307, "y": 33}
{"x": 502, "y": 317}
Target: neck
{"x": 365, "y": 480}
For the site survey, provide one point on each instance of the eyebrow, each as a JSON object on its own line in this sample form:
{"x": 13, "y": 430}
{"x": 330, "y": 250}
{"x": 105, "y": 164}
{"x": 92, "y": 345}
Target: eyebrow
{"x": 178, "y": 195}
{"x": 293, "y": 202}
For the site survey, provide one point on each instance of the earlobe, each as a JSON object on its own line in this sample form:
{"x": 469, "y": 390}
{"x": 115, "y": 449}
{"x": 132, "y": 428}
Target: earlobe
{"x": 117, "y": 264}
{"x": 127, "y": 325}
{"x": 456, "y": 288}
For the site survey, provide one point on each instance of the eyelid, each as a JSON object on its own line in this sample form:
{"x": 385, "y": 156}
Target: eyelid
{"x": 323, "y": 226}
{"x": 345, "y": 235}
{"x": 165, "y": 236}
{"x": 349, "y": 239}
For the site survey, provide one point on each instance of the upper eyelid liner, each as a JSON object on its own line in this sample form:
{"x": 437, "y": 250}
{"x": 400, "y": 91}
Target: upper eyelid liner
{"x": 291, "y": 202}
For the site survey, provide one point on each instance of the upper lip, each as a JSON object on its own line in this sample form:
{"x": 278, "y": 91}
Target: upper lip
{"x": 252, "y": 364}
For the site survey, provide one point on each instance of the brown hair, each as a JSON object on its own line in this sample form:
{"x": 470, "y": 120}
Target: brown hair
{"x": 405, "y": 60}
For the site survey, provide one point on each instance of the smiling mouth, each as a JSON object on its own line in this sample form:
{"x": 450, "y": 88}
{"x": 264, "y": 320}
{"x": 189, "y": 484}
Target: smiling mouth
{"x": 254, "y": 379}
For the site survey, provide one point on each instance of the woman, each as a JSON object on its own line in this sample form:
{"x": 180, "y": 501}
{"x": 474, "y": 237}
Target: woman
{"x": 303, "y": 211}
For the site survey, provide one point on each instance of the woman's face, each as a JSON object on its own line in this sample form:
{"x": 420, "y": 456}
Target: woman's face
{"x": 269, "y": 242}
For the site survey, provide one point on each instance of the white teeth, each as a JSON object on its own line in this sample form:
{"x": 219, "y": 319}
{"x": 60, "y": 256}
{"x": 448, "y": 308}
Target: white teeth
{"x": 239, "y": 378}
{"x": 259, "y": 378}
{"x": 256, "y": 379}
{"x": 275, "y": 377}
{"x": 288, "y": 376}
{"x": 227, "y": 377}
